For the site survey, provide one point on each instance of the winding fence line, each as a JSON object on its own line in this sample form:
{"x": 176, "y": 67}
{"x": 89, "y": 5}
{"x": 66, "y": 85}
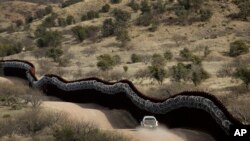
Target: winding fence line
{"x": 194, "y": 110}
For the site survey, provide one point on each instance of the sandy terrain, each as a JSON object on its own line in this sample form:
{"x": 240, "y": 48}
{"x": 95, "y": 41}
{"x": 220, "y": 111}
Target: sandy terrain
{"x": 106, "y": 119}
{"x": 5, "y": 80}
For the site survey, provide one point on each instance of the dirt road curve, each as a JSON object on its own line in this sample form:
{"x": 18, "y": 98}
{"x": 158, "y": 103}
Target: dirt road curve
{"x": 120, "y": 120}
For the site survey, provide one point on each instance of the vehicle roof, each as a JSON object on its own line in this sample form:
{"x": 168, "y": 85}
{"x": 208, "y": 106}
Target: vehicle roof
{"x": 149, "y": 117}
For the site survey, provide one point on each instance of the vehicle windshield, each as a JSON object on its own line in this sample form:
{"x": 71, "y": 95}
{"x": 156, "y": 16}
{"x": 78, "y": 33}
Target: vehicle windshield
{"x": 150, "y": 121}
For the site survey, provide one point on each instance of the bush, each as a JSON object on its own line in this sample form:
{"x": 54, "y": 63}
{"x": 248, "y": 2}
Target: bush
{"x": 115, "y": 1}
{"x": 205, "y": 14}
{"x": 61, "y": 22}
{"x": 182, "y": 13}
{"x": 244, "y": 6}
{"x": 43, "y": 12}
{"x": 54, "y": 53}
{"x": 70, "y": 20}
{"x": 191, "y": 4}
{"x": 136, "y": 58}
{"x": 50, "y": 21}
{"x": 186, "y": 54}
{"x": 181, "y": 72}
{"x": 159, "y": 7}
{"x": 158, "y": 72}
{"x": 198, "y": 74}
{"x": 168, "y": 55}
{"x": 80, "y": 33}
{"x": 158, "y": 60}
{"x": 125, "y": 68}
{"x": 108, "y": 28}
{"x": 243, "y": 74}
{"x": 122, "y": 35}
{"x": 19, "y": 23}
{"x": 29, "y": 19}
{"x": 105, "y": 8}
{"x": 49, "y": 39}
{"x": 121, "y": 16}
{"x": 135, "y": 6}
{"x": 106, "y": 62}
{"x": 144, "y": 7}
{"x": 69, "y": 2}
{"x": 144, "y": 19}
{"x": 116, "y": 59}
{"x": 9, "y": 49}
{"x": 90, "y": 15}
{"x": 238, "y": 47}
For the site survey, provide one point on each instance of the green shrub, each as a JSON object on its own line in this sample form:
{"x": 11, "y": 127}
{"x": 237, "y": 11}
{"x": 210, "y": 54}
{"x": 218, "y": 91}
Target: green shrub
{"x": 168, "y": 55}
{"x": 158, "y": 60}
{"x": 238, "y": 47}
{"x": 145, "y": 7}
{"x": 43, "y": 12}
{"x": 159, "y": 7}
{"x": 243, "y": 74}
{"x": 50, "y": 21}
{"x": 9, "y": 49}
{"x": 122, "y": 35}
{"x": 181, "y": 72}
{"x": 90, "y": 15}
{"x": 105, "y": 62}
{"x": 19, "y": 23}
{"x": 70, "y": 20}
{"x": 116, "y": 59}
{"x": 125, "y": 68}
{"x": 135, "y": 6}
{"x": 115, "y": 1}
{"x": 54, "y": 53}
{"x": 205, "y": 14}
{"x": 191, "y": 4}
{"x": 29, "y": 19}
{"x": 182, "y": 13}
{"x": 186, "y": 54}
{"x": 80, "y": 33}
{"x": 69, "y": 2}
{"x": 144, "y": 19}
{"x": 198, "y": 75}
{"x": 105, "y": 8}
{"x": 158, "y": 72}
{"x": 61, "y": 22}
{"x": 136, "y": 58}
{"x": 121, "y": 16}
{"x": 108, "y": 28}
{"x": 49, "y": 39}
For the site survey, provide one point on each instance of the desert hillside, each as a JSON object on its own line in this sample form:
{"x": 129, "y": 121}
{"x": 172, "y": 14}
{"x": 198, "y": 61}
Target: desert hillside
{"x": 162, "y": 46}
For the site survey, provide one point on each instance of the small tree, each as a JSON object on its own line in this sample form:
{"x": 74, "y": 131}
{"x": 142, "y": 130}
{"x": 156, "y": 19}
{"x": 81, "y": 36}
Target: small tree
{"x": 198, "y": 74}
{"x": 238, "y": 47}
{"x": 108, "y": 28}
{"x": 159, "y": 73}
{"x": 243, "y": 74}
{"x": 145, "y": 19}
{"x": 19, "y": 23}
{"x": 50, "y": 21}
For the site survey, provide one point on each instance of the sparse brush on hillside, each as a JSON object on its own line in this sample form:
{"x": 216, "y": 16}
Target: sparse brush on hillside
{"x": 115, "y": 1}
{"x": 40, "y": 13}
{"x": 90, "y": 15}
{"x": 107, "y": 62}
{"x": 243, "y": 73}
{"x": 88, "y": 32}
